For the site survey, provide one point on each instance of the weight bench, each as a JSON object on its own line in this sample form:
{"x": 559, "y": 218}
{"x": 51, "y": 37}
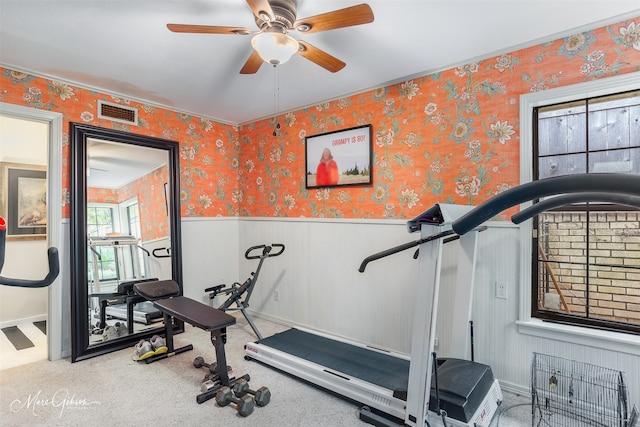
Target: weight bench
{"x": 166, "y": 297}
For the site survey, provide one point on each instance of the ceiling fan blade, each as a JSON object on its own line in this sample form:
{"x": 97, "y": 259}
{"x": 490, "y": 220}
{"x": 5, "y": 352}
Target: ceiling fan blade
{"x": 262, "y": 10}
{"x": 320, "y": 57}
{"x": 347, "y": 17}
{"x": 253, "y": 64}
{"x": 207, "y": 29}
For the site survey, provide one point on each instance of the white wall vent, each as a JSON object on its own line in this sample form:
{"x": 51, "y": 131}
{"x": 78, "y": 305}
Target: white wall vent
{"x": 117, "y": 113}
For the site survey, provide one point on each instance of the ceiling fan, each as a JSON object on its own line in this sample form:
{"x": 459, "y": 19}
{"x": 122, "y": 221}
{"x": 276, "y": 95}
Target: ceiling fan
{"x": 275, "y": 19}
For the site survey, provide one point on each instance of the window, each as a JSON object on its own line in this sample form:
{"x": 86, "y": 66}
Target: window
{"x": 114, "y": 263}
{"x": 585, "y": 258}
{"x": 132, "y": 213}
{"x": 101, "y": 222}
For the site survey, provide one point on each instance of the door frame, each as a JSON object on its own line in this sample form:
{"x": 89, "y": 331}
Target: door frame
{"x": 55, "y": 305}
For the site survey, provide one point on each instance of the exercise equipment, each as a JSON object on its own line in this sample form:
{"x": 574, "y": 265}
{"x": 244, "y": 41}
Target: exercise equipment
{"x": 236, "y": 291}
{"x": 52, "y": 255}
{"x": 165, "y": 295}
{"x": 262, "y": 396}
{"x": 211, "y": 393}
{"x": 244, "y": 405}
{"x": 212, "y": 376}
{"x": 385, "y": 382}
{"x": 199, "y": 362}
{"x": 423, "y": 387}
{"x": 124, "y": 304}
{"x": 212, "y": 379}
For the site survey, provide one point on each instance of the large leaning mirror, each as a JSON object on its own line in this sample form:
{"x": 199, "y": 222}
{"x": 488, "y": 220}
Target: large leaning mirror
{"x": 125, "y": 228}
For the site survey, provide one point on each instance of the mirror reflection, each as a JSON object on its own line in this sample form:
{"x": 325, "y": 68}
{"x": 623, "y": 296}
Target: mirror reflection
{"x": 128, "y": 235}
{"x": 125, "y": 228}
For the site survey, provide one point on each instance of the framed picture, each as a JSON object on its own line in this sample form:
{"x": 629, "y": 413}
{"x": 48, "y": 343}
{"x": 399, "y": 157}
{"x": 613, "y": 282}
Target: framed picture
{"x": 339, "y": 158}
{"x": 23, "y": 200}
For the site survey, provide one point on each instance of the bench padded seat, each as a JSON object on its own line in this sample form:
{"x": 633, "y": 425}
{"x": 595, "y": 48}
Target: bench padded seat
{"x": 195, "y": 313}
{"x": 157, "y": 289}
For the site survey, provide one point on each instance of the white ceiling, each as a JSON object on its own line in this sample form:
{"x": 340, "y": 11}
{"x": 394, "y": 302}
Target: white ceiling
{"x": 113, "y": 165}
{"x": 123, "y": 47}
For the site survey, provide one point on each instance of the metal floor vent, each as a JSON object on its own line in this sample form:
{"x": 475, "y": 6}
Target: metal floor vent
{"x": 117, "y": 113}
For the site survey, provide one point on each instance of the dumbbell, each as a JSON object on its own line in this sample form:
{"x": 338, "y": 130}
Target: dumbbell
{"x": 262, "y": 396}
{"x": 212, "y": 391}
{"x": 213, "y": 376}
{"x": 199, "y": 362}
{"x": 244, "y": 404}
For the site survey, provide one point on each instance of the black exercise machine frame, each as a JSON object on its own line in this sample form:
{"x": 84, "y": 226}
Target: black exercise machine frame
{"x": 125, "y": 293}
{"x": 237, "y": 290}
{"x": 165, "y": 295}
{"x": 621, "y": 189}
{"x": 52, "y": 255}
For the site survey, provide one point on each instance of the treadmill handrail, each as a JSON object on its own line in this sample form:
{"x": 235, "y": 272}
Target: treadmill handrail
{"x": 402, "y": 247}
{"x": 409, "y": 245}
{"x": 614, "y": 183}
{"x": 567, "y": 199}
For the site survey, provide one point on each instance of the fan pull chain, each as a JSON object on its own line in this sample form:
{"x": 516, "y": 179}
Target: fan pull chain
{"x": 276, "y": 98}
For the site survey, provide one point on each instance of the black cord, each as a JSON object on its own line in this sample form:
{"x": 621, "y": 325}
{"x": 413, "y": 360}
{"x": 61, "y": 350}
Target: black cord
{"x": 444, "y": 414}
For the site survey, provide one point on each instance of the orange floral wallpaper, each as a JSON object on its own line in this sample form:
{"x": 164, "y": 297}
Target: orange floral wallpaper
{"x": 149, "y": 190}
{"x": 448, "y": 137}
{"x": 207, "y": 147}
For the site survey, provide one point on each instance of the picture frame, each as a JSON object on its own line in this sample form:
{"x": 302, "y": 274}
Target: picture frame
{"x": 23, "y": 200}
{"x": 349, "y": 160}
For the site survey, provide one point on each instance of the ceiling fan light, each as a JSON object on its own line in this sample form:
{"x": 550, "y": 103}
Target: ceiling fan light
{"x": 275, "y": 48}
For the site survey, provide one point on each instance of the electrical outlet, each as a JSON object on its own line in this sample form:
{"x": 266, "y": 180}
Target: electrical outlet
{"x": 501, "y": 290}
{"x": 276, "y": 296}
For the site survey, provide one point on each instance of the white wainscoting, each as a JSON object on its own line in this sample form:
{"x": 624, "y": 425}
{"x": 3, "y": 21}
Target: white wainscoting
{"x": 159, "y": 268}
{"x": 210, "y": 254}
{"x": 319, "y": 287}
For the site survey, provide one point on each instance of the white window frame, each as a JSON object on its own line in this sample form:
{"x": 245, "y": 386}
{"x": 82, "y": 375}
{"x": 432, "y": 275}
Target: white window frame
{"x": 122, "y": 211}
{"x": 622, "y": 342}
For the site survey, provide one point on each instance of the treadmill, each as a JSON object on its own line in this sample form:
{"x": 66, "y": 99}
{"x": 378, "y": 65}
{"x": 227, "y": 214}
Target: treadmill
{"x": 393, "y": 388}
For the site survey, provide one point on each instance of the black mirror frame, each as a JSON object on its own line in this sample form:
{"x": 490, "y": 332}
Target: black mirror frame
{"x": 79, "y": 135}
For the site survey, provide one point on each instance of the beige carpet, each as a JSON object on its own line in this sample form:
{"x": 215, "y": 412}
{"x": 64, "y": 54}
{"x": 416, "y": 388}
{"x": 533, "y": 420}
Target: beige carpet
{"x": 113, "y": 390}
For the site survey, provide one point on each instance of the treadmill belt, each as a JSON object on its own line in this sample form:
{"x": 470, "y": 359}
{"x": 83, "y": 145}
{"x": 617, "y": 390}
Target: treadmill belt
{"x": 371, "y": 366}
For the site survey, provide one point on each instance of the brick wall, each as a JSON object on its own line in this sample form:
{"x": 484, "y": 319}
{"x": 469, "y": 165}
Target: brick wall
{"x": 614, "y": 257}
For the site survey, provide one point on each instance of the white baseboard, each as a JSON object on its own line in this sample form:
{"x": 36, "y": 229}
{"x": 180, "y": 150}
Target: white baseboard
{"x": 16, "y": 322}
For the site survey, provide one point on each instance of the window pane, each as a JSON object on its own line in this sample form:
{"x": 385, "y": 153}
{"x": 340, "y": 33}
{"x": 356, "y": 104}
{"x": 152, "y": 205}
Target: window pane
{"x": 561, "y": 262}
{"x": 613, "y": 295}
{"x": 611, "y": 120}
{"x": 99, "y": 221}
{"x": 618, "y": 161}
{"x": 133, "y": 216}
{"x": 107, "y": 263}
{"x": 562, "y": 165}
{"x": 562, "y": 129}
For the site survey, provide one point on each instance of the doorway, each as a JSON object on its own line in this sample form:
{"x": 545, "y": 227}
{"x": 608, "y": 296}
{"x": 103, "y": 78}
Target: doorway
{"x": 31, "y": 319}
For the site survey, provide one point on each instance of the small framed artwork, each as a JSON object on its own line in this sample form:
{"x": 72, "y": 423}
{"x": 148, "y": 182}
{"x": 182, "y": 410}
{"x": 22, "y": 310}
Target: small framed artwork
{"x": 23, "y": 200}
{"x": 339, "y": 158}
